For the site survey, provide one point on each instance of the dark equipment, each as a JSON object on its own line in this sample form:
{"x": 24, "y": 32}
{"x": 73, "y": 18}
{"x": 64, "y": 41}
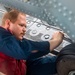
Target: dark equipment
{"x": 66, "y": 60}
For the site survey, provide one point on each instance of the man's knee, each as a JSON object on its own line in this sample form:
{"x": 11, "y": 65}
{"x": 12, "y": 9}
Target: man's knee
{"x": 42, "y": 66}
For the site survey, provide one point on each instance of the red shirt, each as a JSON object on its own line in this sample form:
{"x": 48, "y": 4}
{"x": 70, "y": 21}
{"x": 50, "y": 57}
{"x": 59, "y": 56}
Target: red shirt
{"x": 11, "y": 66}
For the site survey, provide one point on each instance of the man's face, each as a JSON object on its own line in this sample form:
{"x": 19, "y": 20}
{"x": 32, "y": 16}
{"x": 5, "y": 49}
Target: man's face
{"x": 19, "y": 27}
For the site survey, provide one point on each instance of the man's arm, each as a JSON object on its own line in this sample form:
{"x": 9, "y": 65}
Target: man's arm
{"x": 41, "y": 48}
{"x": 56, "y": 40}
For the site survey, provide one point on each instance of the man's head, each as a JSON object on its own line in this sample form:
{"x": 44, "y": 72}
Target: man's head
{"x": 15, "y": 22}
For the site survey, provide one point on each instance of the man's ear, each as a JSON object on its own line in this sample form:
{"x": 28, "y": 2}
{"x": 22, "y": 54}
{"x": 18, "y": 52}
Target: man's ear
{"x": 7, "y": 22}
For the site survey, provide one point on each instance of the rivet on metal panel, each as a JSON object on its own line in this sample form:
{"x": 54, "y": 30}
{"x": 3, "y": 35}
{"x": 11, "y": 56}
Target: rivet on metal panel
{"x": 74, "y": 23}
{"x": 44, "y": 15}
{"x": 37, "y": 5}
{"x": 52, "y": 17}
{"x": 64, "y": 14}
{"x": 56, "y": 20}
{"x": 64, "y": 27}
{"x": 45, "y": 10}
{"x": 70, "y": 12}
{"x": 39, "y": 16}
{"x": 49, "y": 14}
{"x": 73, "y": 36}
{"x": 64, "y": 8}
{"x": 59, "y": 4}
{"x": 69, "y": 18}
{"x": 50, "y": 2}
{"x": 61, "y": 24}
{"x": 59, "y": 10}
{"x": 48, "y": 28}
{"x": 55, "y": 6}
{"x": 32, "y": 3}
{"x": 68, "y": 31}
{"x": 34, "y": 32}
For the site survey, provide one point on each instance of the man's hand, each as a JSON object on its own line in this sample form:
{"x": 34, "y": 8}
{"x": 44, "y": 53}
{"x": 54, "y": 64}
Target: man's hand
{"x": 56, "y": 40}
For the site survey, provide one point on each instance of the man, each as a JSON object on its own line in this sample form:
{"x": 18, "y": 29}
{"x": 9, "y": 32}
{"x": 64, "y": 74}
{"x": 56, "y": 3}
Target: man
{"x": 14, "y": 49}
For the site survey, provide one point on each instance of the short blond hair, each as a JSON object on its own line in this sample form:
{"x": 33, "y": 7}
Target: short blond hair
{"x": 11, "y": 15}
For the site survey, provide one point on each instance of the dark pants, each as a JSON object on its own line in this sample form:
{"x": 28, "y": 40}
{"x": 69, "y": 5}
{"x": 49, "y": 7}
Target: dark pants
{"x": 45, "y": 65}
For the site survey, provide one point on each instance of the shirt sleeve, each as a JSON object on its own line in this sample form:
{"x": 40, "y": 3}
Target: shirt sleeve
{"x": 28, "y": 46}
{"x": 23, "y": 50}
{"x": 10, "y": 47}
